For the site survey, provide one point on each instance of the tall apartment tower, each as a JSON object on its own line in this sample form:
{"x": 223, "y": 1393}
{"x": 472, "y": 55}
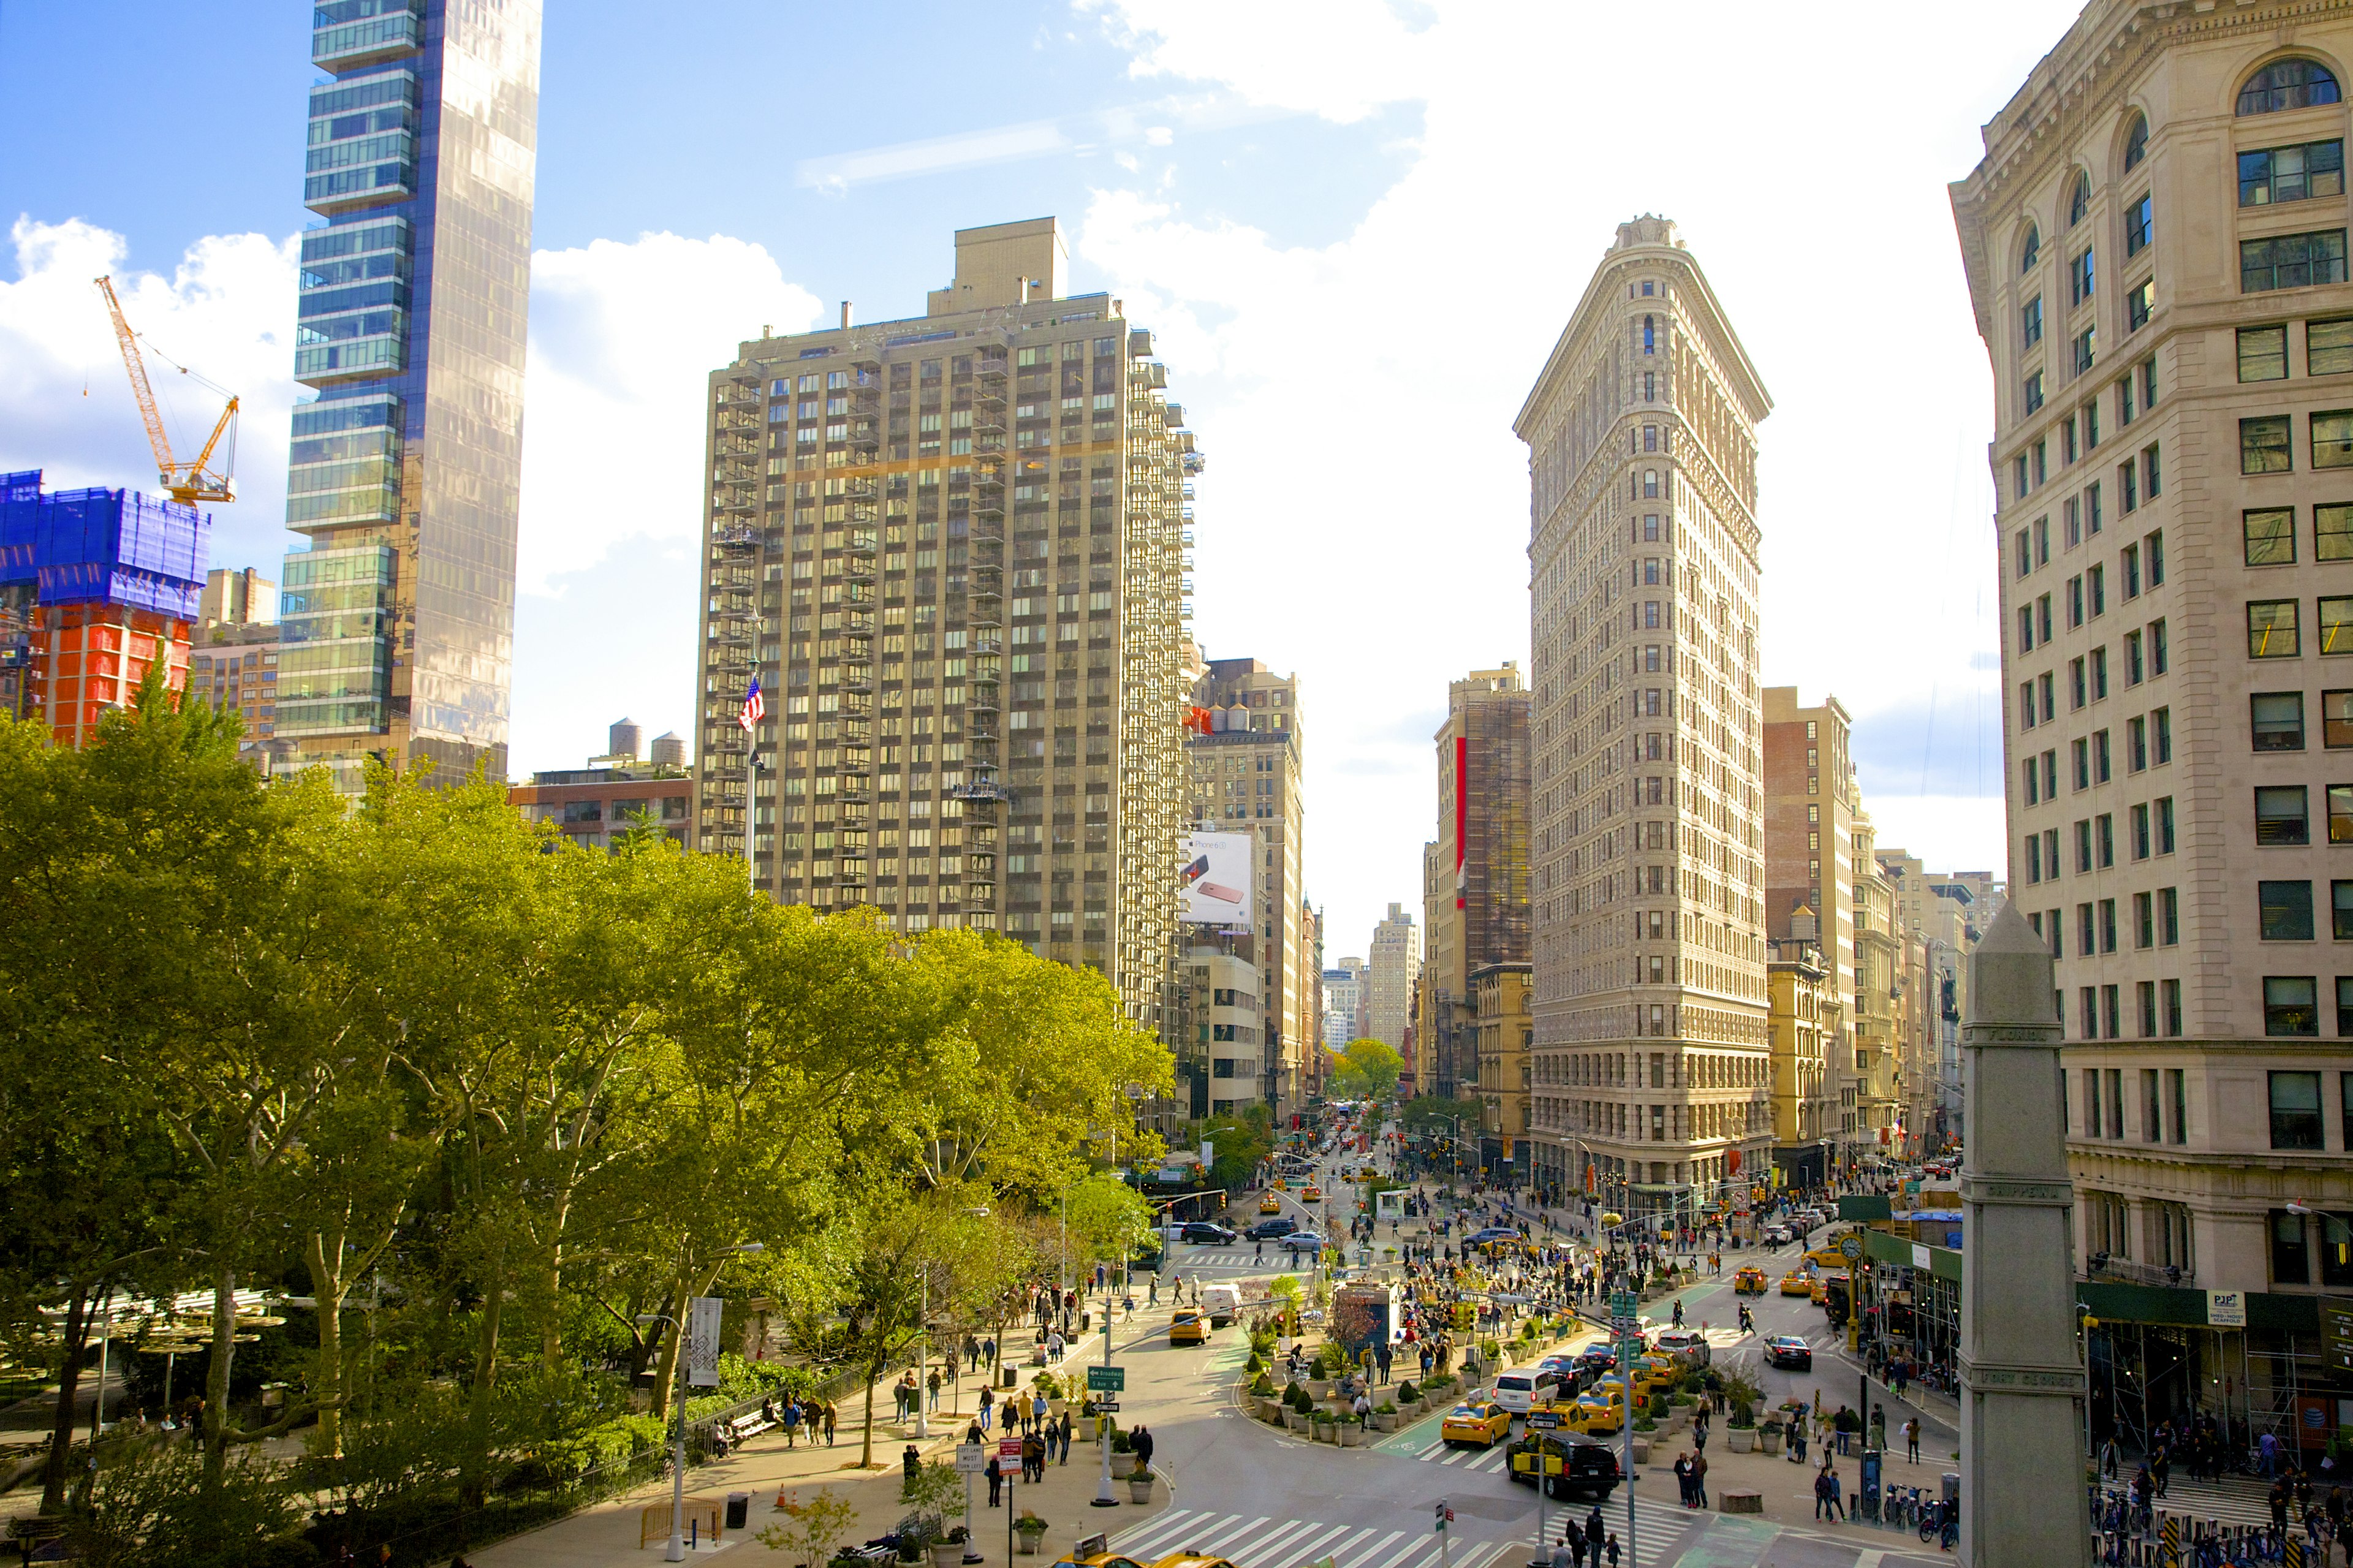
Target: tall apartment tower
{"x": 2155, "y": 246}
{"x": 1388, "y": 980}
{"x": 953, "y": 550}
{"x": 1812, "y": 804}
{"x": 1475, "y": 887}
{"x": 407, "y": 472}
{"x": 1651, "y": 1036}
{"x": 1245, "y": 756}
{"x": 1343, "y": 989}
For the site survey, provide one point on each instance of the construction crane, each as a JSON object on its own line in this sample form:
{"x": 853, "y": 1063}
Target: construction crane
{"x": 185, "y": 482}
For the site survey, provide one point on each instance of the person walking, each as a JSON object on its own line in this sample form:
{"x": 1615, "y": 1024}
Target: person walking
{"x": 1699, "y": 1476}
{"x": 1825, "y": 1495}
{"x": 996, "y": 1474}
{"x": 1066, "y": 1434}
{"x": 792, "y": 1422}
{"x": 988, "y": 1403}
{"x": 1912, "y": 1446}
{"x": 1141, "y": 1443}
{"x": 1684, "y": 1479}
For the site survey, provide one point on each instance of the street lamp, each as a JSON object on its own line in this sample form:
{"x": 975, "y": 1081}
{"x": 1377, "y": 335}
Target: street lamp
{"x": 676, "y": 1551}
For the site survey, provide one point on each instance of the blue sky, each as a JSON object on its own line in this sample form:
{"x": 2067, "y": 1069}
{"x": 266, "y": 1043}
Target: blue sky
{"x": 1356, "y": 226}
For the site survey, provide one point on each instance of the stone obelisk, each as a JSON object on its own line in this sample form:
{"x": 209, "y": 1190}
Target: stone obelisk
{"x": 2022, "y": 1389}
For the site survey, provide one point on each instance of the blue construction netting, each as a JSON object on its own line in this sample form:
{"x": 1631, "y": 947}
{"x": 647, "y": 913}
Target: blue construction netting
{"x": 103, "y": 546}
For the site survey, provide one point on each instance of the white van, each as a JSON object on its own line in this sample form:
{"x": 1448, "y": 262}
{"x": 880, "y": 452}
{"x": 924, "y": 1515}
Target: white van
{"x": 1688, "y": 1345}
{"x": 1519, "y": 1389}
{"x": 1222, "y": 1302}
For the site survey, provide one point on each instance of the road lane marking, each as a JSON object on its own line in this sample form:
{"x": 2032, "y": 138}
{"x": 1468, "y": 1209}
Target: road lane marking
{"x": 1367, "y": 1554}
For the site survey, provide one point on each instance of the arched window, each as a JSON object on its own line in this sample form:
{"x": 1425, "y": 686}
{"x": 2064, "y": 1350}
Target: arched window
{"x": 1649, "y": 336}
{"x": 2137, "y": 142}
{"x": 2288, "y": 84}
{"x": 2033, "y": 252}
{"x": 2080, "y": 202}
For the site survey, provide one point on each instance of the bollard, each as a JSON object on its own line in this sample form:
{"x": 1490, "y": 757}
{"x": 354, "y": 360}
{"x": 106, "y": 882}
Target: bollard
{"x": 2293, "y": 1554}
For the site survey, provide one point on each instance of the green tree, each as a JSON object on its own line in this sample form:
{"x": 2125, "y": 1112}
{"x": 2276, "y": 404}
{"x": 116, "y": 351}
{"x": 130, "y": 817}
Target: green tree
{"x": 1368, "y": 1069}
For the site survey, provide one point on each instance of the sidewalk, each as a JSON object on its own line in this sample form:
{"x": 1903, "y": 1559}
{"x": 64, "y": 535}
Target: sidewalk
{"x": 765, "y": 1467}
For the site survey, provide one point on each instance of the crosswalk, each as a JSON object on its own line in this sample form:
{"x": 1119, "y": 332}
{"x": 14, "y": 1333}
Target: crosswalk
{"x": 2231, "y": 1502}
{"x": 1269, "y": 1543}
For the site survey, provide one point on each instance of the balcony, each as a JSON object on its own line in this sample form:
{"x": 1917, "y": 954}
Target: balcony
{"x": 373, "y": 354}
{"x": 363, "y": 32}
{"x": 370, "y": 172}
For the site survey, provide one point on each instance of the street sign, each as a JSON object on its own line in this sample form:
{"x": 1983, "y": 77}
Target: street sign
{"x": 2337, "y": 1332}
{"x": 1112, "y": 1378}
{"x": 1008, "y": 1449}
{"x": 971, "y": 1459}
{"x": 1109, "y": 1407}
{"x": 1543, "y": 1420}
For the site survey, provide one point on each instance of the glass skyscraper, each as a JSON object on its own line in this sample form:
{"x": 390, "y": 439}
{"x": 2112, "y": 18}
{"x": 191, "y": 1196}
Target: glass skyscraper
{"x": 405, "y": 476}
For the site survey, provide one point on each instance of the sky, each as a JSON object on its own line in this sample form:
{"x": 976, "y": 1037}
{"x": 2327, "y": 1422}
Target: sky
{"x": 1355, "y": 227}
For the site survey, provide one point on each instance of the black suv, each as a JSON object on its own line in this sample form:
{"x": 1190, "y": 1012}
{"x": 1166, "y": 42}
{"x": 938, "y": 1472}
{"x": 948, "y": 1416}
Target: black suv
{"x": 1587, "y": 1468}
{"x": 1202, "y": 1233}
{"x": 1269, "y": 1229}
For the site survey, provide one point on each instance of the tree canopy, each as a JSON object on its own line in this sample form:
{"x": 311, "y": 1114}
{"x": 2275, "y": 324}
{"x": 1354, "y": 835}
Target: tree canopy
{"x": 1366, "y": 1069}
{"x": 489, "y": 1100}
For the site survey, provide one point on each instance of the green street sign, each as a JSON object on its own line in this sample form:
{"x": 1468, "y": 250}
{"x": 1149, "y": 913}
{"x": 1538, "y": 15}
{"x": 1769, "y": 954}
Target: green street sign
{"x": 1110, "y": 1379}
{"x": 2337, "y": 1332}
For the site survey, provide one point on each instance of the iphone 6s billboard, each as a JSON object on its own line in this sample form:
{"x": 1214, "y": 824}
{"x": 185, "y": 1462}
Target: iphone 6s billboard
{"x": 1216, "y": 880}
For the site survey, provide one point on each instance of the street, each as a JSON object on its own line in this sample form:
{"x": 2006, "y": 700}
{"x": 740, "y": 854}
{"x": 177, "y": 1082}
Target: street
{"x": 1268, "y": 1499}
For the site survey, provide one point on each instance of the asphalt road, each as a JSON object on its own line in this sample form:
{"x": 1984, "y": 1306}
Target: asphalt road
{"x": 1268, "y": 1499}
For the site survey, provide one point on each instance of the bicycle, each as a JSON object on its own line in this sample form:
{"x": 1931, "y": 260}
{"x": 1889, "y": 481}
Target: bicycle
{"x": 1941, "y": 1522}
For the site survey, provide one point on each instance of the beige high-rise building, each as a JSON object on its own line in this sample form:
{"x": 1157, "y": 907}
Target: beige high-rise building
{"x": 1808, "y": 1019}
{"x": 1389, "y": 977}
{"x": 1502, "y": 1030}
{"x": 1811, "y": 801}
{"x": 952, "y": 549}
{"x": 2155, "y": 246}
{"x": 1245, "y": 768}
{"x": 1649, "y": 843}
{"x": 1474, "y": 874}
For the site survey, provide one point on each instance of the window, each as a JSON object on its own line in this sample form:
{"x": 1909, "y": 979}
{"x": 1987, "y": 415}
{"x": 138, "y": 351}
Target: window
{"x": 2083, "y": 278}
{"x": 2152, "y": 478}
{"x": 2082, "y": 766}
{"x": 2282, "y": 815}
{"x": 2105, "y": 831}
{"x": 2143, "y": 920}
{"x": 2165, "y": 824}
{"x": 2340, "y": 813}
{"x": 2169, "y": 925}
{"x": 2270, "y": 536}
{"x": 1649, "y": 336}
{"x": 2085, "y": 349}
{"x": 2335, "y": 626}
{"x": 2271, "y": 629}
{"x": 2092, "y": 440}
{"x": 2079, "y": 200}
{"x": 2340, "y": 916}
{"x": 2095, "y": 580}
{"x": 2262, "y": 354}
{"x": 2157, "y": 651}
{"x": 2099, "y": 692}
{"x": 2291, "y": 1256}
{"x": 2033, "y": 402}
{"x": 2336, "y": 720}
{"x": 2090, "y": 496}
{"x": 2292, "y": 261}
{"x": 2107, "y": 925}
{"x": 2083, "y": 940}
{"x": 2332, "y": 533}
{"x": 2289, "y": 1009}
{"x": 2129, "y": 479}
{"x": 2278, "y": 721}
{"x": 2137, "y": 744}
{"x": 2266, "y": 445}
{"x": 2296, "y": 1111}
{"x": 2133, "y": 667}
{"x": 2335, "y": 1250}
{"x": 2075, "y": 618}
{"x": 2139, "y": 303}
{"x": 2084, "y": 846}
{"x": 2137, "y": 227}
{"x": 2161, "y": 722}
{"x": 2031, "y": 320}
{"x": 2041, "y": 540}
{"x": 2327, "y": 347}
{"x": 2291, "y": 173}
{"x": 2288, "y": 84}
{"x": 2332, "y": 439}
{"x": 2136, "y": 143}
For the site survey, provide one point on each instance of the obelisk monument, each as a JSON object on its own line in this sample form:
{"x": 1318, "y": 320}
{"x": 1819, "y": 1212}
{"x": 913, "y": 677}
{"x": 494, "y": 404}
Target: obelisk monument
{"x": 2023, "y": 1388}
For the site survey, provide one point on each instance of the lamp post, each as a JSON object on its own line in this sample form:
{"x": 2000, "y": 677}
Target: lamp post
{"x": 676, "y": 1551}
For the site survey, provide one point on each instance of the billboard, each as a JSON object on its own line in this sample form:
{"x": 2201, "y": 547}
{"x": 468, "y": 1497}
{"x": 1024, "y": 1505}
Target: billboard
{"x": 1216, "y": 880}
{"x": 703, "y": 1342}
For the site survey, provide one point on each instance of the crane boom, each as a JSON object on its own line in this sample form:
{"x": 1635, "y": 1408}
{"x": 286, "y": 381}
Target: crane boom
{"x": 185, "y": 482}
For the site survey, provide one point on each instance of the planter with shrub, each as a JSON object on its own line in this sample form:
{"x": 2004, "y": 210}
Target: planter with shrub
{"x": 1030, "y": 1530}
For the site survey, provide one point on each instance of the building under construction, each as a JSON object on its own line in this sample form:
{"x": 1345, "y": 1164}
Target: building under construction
{"x": 96, "y": 586}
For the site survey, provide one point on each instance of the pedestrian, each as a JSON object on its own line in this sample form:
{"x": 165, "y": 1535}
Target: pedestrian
{"x": 933, "y": 1382}
{"x": 1912, "y": 1447}
{"x": 1826, "y": 1494}
{"x": 996, "y": 1474}
{"x": 910, "y": 1463}
{"x": 828, "y": 1424}
{"x": 1684, "y": 1479}
{"x": 1699, "y": 1477}
{"x": 1613, "y": 1549}
{"x": 792, "y": 1422}
{"x": 1141, "y": 1442}
{"x": 1066, "y": 1434}
{"x": 988, "y": 1400}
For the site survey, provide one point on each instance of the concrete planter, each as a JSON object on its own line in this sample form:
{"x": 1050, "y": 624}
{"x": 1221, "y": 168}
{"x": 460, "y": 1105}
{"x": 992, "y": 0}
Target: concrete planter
{"x": 1139, "y": 1489}
{"x": 1743, "y": 1440}
{"x": 1292, "y": 1420}
{"x": 948, "y": 1555}
{"x": 1641, "y": 1451}
{"x": 1768, "y": 1442}
{"x": 1387, "y": 1423}
{"x": 1028, "y": 1540}
{"x": 1327, "y": 1432}
{"x": 1350, "y": 1435}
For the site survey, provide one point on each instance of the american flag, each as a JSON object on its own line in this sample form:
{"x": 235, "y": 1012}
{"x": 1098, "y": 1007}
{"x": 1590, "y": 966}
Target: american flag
{"x": 753, "y": 707}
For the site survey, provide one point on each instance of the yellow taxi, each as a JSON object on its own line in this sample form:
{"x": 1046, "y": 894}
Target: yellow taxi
{"x": 1483, "y": 1423}
{"x": 1311, "y": 1194}
{"x": 1270, "y": 1205}
{"x": 1100, "y": 1560}
{"x": 1748, "y": 1282}
{"x": 1825, "y": 1258}
{"x": 1656, "y": 1374}
{"x": 1796, "y": 1282}
{"x": 1594, "y": 1415}
{"x": 1192, "y": 1559}
{"x": 1189, "y": 1328}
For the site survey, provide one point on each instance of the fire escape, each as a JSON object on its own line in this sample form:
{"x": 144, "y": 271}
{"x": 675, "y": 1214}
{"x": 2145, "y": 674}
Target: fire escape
{"x": 982, "y": 791}
{"x": 732, "y": 610}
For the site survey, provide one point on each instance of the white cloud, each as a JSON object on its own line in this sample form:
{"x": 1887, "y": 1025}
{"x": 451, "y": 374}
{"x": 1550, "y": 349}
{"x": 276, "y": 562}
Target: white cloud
{"x": 227, "y": 312}
{"x": 1363, "y": 518}
{"x": 624, "y": 336}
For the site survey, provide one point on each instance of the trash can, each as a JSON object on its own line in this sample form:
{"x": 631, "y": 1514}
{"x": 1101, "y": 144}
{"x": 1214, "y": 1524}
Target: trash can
{"x": 1952, "y": 1489}
{"x": 739, "y": 1510}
